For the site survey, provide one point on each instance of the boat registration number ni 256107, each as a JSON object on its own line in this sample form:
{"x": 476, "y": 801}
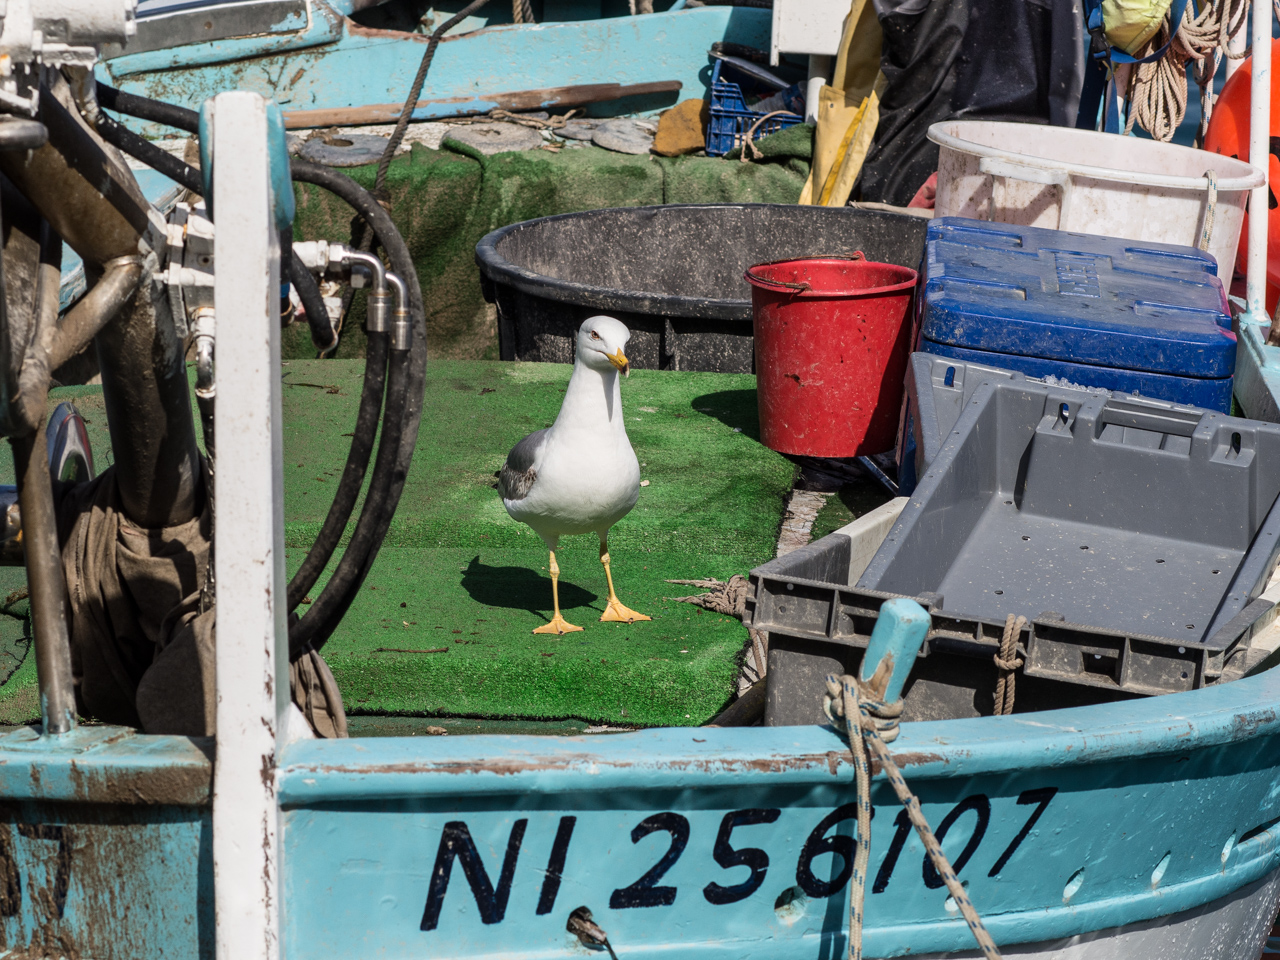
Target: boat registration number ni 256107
{"x": 731, "y": 849}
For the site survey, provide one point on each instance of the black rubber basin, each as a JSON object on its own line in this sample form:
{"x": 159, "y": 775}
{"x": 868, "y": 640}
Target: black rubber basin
{"x": 673, "y": 274}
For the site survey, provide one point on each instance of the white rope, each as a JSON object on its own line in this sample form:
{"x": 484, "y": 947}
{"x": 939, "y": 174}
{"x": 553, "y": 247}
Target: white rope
{"x": 877, "y": 725}
{"x": 1210, "y": 208}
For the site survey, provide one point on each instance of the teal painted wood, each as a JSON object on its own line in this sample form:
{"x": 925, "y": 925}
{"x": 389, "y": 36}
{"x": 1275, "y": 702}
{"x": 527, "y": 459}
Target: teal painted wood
{"x": 104, "y": 845}
{"x": 898, "y": 635}
{"x": 367, "y": 824}
{"x": 1257, "y": 377}
{"x": 335, "y": 64}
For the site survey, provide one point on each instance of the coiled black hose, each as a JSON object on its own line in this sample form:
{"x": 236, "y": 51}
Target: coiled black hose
{"x": 403, "y": 407}
{"x": 121, "y": 137}
{"x": 399, "y": 426}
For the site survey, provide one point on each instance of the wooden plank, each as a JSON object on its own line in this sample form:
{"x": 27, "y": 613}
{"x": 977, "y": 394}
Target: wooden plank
{"x": 516, "y": 100}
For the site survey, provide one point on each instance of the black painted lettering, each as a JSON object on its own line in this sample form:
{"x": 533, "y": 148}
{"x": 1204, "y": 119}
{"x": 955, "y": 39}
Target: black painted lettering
{"x": 980, "y": 805}
{"x": 555, "y": 865}
{"x": 753, "y": 857}
{"x": 903, "y": 824}
{"x": 456, "y": 843}
{"x": 819, "y": 843}
{"x": 1039, "y": 797}
{"x": 644, "y": 892}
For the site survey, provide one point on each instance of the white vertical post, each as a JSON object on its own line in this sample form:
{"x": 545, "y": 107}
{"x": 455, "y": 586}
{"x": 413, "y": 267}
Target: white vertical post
{"x": 252, "y": 652}
{"x": 1259, "y": 149}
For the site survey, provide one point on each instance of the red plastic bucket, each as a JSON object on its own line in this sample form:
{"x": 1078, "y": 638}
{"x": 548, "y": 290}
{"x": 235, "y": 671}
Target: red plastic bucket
{"x": 831, "y": 353}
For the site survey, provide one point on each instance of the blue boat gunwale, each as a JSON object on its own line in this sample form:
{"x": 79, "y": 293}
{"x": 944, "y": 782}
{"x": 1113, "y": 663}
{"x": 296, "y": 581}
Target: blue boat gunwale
{"x": 329, "y": 771}
{"x": 526, "y": 773}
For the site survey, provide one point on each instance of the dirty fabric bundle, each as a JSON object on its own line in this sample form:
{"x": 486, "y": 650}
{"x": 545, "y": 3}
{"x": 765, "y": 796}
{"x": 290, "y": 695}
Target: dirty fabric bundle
{"x": 142, "y": 650}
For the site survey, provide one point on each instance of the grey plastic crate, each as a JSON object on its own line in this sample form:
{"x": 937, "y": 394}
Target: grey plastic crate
{"x": 1134, "y": 535}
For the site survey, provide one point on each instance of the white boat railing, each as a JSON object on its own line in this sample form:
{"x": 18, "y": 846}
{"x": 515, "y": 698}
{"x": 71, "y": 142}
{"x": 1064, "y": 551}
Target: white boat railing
{"x": 252, "y": 656}
{"x": 1259, "y": 149}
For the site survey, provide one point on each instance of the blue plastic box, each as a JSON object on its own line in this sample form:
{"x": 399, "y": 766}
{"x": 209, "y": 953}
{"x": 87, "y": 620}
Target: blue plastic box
{"x": 1131, "y": 317}
{"x": 730, "y": 119}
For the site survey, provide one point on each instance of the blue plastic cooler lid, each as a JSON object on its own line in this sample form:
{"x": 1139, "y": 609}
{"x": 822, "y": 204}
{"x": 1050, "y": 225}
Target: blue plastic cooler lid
{"x": 1068, "y": 296}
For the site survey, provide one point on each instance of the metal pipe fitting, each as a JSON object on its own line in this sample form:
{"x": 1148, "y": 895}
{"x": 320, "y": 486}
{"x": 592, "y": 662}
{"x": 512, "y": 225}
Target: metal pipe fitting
{"x": 375, "y": 266}
{"x": 206, "y": 386}
{"x": 378, "y": 307}
{"x": 401, "y": 322}
{"x": 113, "y": 290}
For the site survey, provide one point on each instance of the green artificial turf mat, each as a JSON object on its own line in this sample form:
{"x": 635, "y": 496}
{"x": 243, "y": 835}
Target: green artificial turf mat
{"x": 457, "y": 574}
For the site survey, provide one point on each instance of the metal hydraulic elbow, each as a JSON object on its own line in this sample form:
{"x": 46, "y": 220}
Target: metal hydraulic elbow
{"x": 401, "y": 324}
{"x": 378, "y": 306}
{"x": 203, "y": 326}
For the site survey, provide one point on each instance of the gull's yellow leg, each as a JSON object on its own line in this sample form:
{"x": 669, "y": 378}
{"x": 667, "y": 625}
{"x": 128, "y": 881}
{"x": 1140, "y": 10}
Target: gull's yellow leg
{"x": 558, "y": 623}
{"x": 615, "y": 612}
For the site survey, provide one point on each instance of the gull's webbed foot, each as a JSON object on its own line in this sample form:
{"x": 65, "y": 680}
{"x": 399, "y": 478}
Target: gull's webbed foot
{"x": 615, "y": 612}
{"x": 559, "y": 625}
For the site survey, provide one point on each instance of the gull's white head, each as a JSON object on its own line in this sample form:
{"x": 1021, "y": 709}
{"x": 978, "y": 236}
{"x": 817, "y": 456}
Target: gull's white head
{"x": 601, "y": 341}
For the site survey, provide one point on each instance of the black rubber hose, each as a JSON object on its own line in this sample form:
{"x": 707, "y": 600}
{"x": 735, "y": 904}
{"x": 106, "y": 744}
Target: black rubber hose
{"x": 349, "y": 485}
{"x": 185, "y": 175}
{"x": 323, "y": 336}
{"x": 124, "y": 139}
{"x": 400, "y": 425}
{"x": 324, "y": 614}
{"x": 404, "y": 394}
{"x": 144, "y": 108}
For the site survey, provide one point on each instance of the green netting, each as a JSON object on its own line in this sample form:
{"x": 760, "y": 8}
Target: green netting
{"x": 457, "y": 574}
{"x": 444, "y": 201}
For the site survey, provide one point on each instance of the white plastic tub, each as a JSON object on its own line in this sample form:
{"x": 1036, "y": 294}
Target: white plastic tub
{"x": 1078, "y": 180}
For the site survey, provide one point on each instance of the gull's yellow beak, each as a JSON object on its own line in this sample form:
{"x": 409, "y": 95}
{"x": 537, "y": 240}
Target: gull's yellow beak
{"x": 619, "y": 360}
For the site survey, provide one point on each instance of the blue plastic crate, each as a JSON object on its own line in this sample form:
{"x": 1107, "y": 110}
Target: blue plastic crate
{"x": 731, "y": 118}
{"x": 1098, "y": 311}
{"x": 1123, "y": 315}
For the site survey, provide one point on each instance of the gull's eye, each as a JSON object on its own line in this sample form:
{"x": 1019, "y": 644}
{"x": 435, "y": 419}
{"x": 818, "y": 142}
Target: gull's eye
{"x": 594, "y": 335}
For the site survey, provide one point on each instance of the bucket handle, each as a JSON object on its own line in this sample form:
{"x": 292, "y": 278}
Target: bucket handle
{"x": 1004, "y": 169}
{"x": 803, "y": 287}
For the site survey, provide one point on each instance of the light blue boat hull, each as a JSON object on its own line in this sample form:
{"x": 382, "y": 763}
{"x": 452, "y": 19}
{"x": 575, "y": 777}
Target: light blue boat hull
{"x": 332, "y": 66}
{"x": 378, "y": 836}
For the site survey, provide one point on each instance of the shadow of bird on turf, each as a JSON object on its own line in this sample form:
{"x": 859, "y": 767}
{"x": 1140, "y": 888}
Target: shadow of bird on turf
{"x": 518, "y": 588}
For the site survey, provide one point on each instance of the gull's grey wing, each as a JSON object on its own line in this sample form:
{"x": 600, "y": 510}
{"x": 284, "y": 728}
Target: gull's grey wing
{"x": 517, "y": 475}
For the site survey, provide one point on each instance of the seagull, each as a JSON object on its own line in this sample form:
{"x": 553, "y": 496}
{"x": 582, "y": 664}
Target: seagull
{"x": 579, "y": 475}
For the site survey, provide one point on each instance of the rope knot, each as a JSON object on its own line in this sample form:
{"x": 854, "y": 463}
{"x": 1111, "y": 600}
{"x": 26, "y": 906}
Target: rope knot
{"x": 1007, "y": 661}
{"x": 846, "y": 695}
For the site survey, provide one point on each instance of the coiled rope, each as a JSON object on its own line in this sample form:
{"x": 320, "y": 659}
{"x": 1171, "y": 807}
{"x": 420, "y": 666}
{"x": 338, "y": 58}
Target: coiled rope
{"x": 1157, "y": 91}
{"x": 875, "y": 726}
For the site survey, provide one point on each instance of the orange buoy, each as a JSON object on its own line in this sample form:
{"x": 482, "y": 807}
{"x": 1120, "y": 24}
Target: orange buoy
{"x": 1228, "y": 134}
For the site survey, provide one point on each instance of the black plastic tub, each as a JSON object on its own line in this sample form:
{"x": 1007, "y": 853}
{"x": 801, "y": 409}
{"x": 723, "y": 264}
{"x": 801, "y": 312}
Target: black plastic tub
{"x": 673, "y": 274}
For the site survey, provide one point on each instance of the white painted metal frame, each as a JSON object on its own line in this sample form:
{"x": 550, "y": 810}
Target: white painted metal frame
{"x": 252, "y": 649}
{"x": 1259, "y": 147}
{"x": 807, "y": 26}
